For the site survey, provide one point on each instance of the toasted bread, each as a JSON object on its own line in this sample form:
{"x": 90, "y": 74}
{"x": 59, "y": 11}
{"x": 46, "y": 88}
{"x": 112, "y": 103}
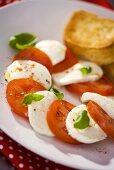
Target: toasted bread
{"x": 101, "y": 56}
{"x": 91, "y": 37}
{"x": 89, "y": 30}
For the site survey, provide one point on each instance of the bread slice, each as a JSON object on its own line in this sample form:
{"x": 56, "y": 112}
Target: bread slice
{"x": 91, "y": 37}
{"x": 102, "y": 56}
{"x": 89, "y": 30}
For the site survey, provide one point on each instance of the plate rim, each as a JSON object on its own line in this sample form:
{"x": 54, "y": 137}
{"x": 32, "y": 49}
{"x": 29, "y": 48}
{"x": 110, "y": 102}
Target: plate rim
{"x": 31, "y": 1}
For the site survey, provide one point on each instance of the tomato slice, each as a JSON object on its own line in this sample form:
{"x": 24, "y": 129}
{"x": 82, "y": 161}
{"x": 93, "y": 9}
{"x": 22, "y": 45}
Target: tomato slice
{"x": 56, "y": 118}
{"x": 35, "y": 54}
{"x": 101, "y": 118}
{"x": 15, "y": 92}
{"x": 69, "y": 61}
{"x": 104, "y": 86}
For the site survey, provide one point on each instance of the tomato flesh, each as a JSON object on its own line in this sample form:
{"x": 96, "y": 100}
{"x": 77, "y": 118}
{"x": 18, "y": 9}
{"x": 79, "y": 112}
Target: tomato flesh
{"x": 56, "y": 117}
{"x": 15, "y": 92}
{"x": 69, "y": 61}
{"x": 36, "y": 55}
{"x": 104, "y": 86}
{"x": 101, "y": 118}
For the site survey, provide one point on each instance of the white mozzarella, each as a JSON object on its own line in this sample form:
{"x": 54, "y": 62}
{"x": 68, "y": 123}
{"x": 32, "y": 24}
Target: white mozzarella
{"x": 106, "y": 103}
{"x": 37, "y": 113}
{"x": 74, "y": 75}
{"x": 54, "y": 49}
{"x": 29, "y": 69}
{"x": 91, "y": 134}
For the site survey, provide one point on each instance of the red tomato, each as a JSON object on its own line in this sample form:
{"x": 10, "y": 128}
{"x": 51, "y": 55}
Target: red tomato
{"x": 69, "y": 61}
{"x": 101, "y": 118}
{"x": 104, "y": 86}
{"x": 15, "y": 92}
{"x": 35, "y": 54}
{"x": 56, "y": 118}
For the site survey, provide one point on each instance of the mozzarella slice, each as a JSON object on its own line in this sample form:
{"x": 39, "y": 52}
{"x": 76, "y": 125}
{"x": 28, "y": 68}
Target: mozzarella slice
{"x": 74, "y": 75}
{"x": 106, "y": 103}
{"x": 37, "y": 113}
{"x": 29, "y": 69}
{"x": 54, "y": 49}
{"x": 91, "y": 134}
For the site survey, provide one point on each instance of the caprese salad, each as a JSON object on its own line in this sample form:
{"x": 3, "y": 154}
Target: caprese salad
{"x": 36, "y": 68}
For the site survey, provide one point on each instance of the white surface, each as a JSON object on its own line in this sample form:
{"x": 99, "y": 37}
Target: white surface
{"x": 26, "y": 16}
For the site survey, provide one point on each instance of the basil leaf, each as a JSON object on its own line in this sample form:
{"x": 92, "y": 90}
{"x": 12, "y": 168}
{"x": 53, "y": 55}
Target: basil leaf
{"x": 82, "y": 120}
{"x": 86, "y": 70}
{"x": 57, "y": 93}
{"x": 12, "y": 42}
{"x": 28, "y": 99}
{"x": 22, "y": 41}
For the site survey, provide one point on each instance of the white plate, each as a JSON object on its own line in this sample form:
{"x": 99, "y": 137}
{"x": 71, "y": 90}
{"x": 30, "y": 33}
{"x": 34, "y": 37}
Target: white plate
{"x": 47, "y": 18}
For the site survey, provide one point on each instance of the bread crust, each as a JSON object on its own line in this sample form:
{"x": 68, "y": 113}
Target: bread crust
{"x": 88, "y": 30}
{"x": 91, "y": 37}
{"x": 102, "y": 56}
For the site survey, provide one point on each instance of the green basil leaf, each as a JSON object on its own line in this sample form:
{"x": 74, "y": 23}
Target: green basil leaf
{"x": 12, "y": 42}
{"x": 57, "y": 93}
{"x": 82, "y": 120}
{"x": 22, "y": 41}
{"x": 28, "y": 99}
{"x": 86, "y": 70}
